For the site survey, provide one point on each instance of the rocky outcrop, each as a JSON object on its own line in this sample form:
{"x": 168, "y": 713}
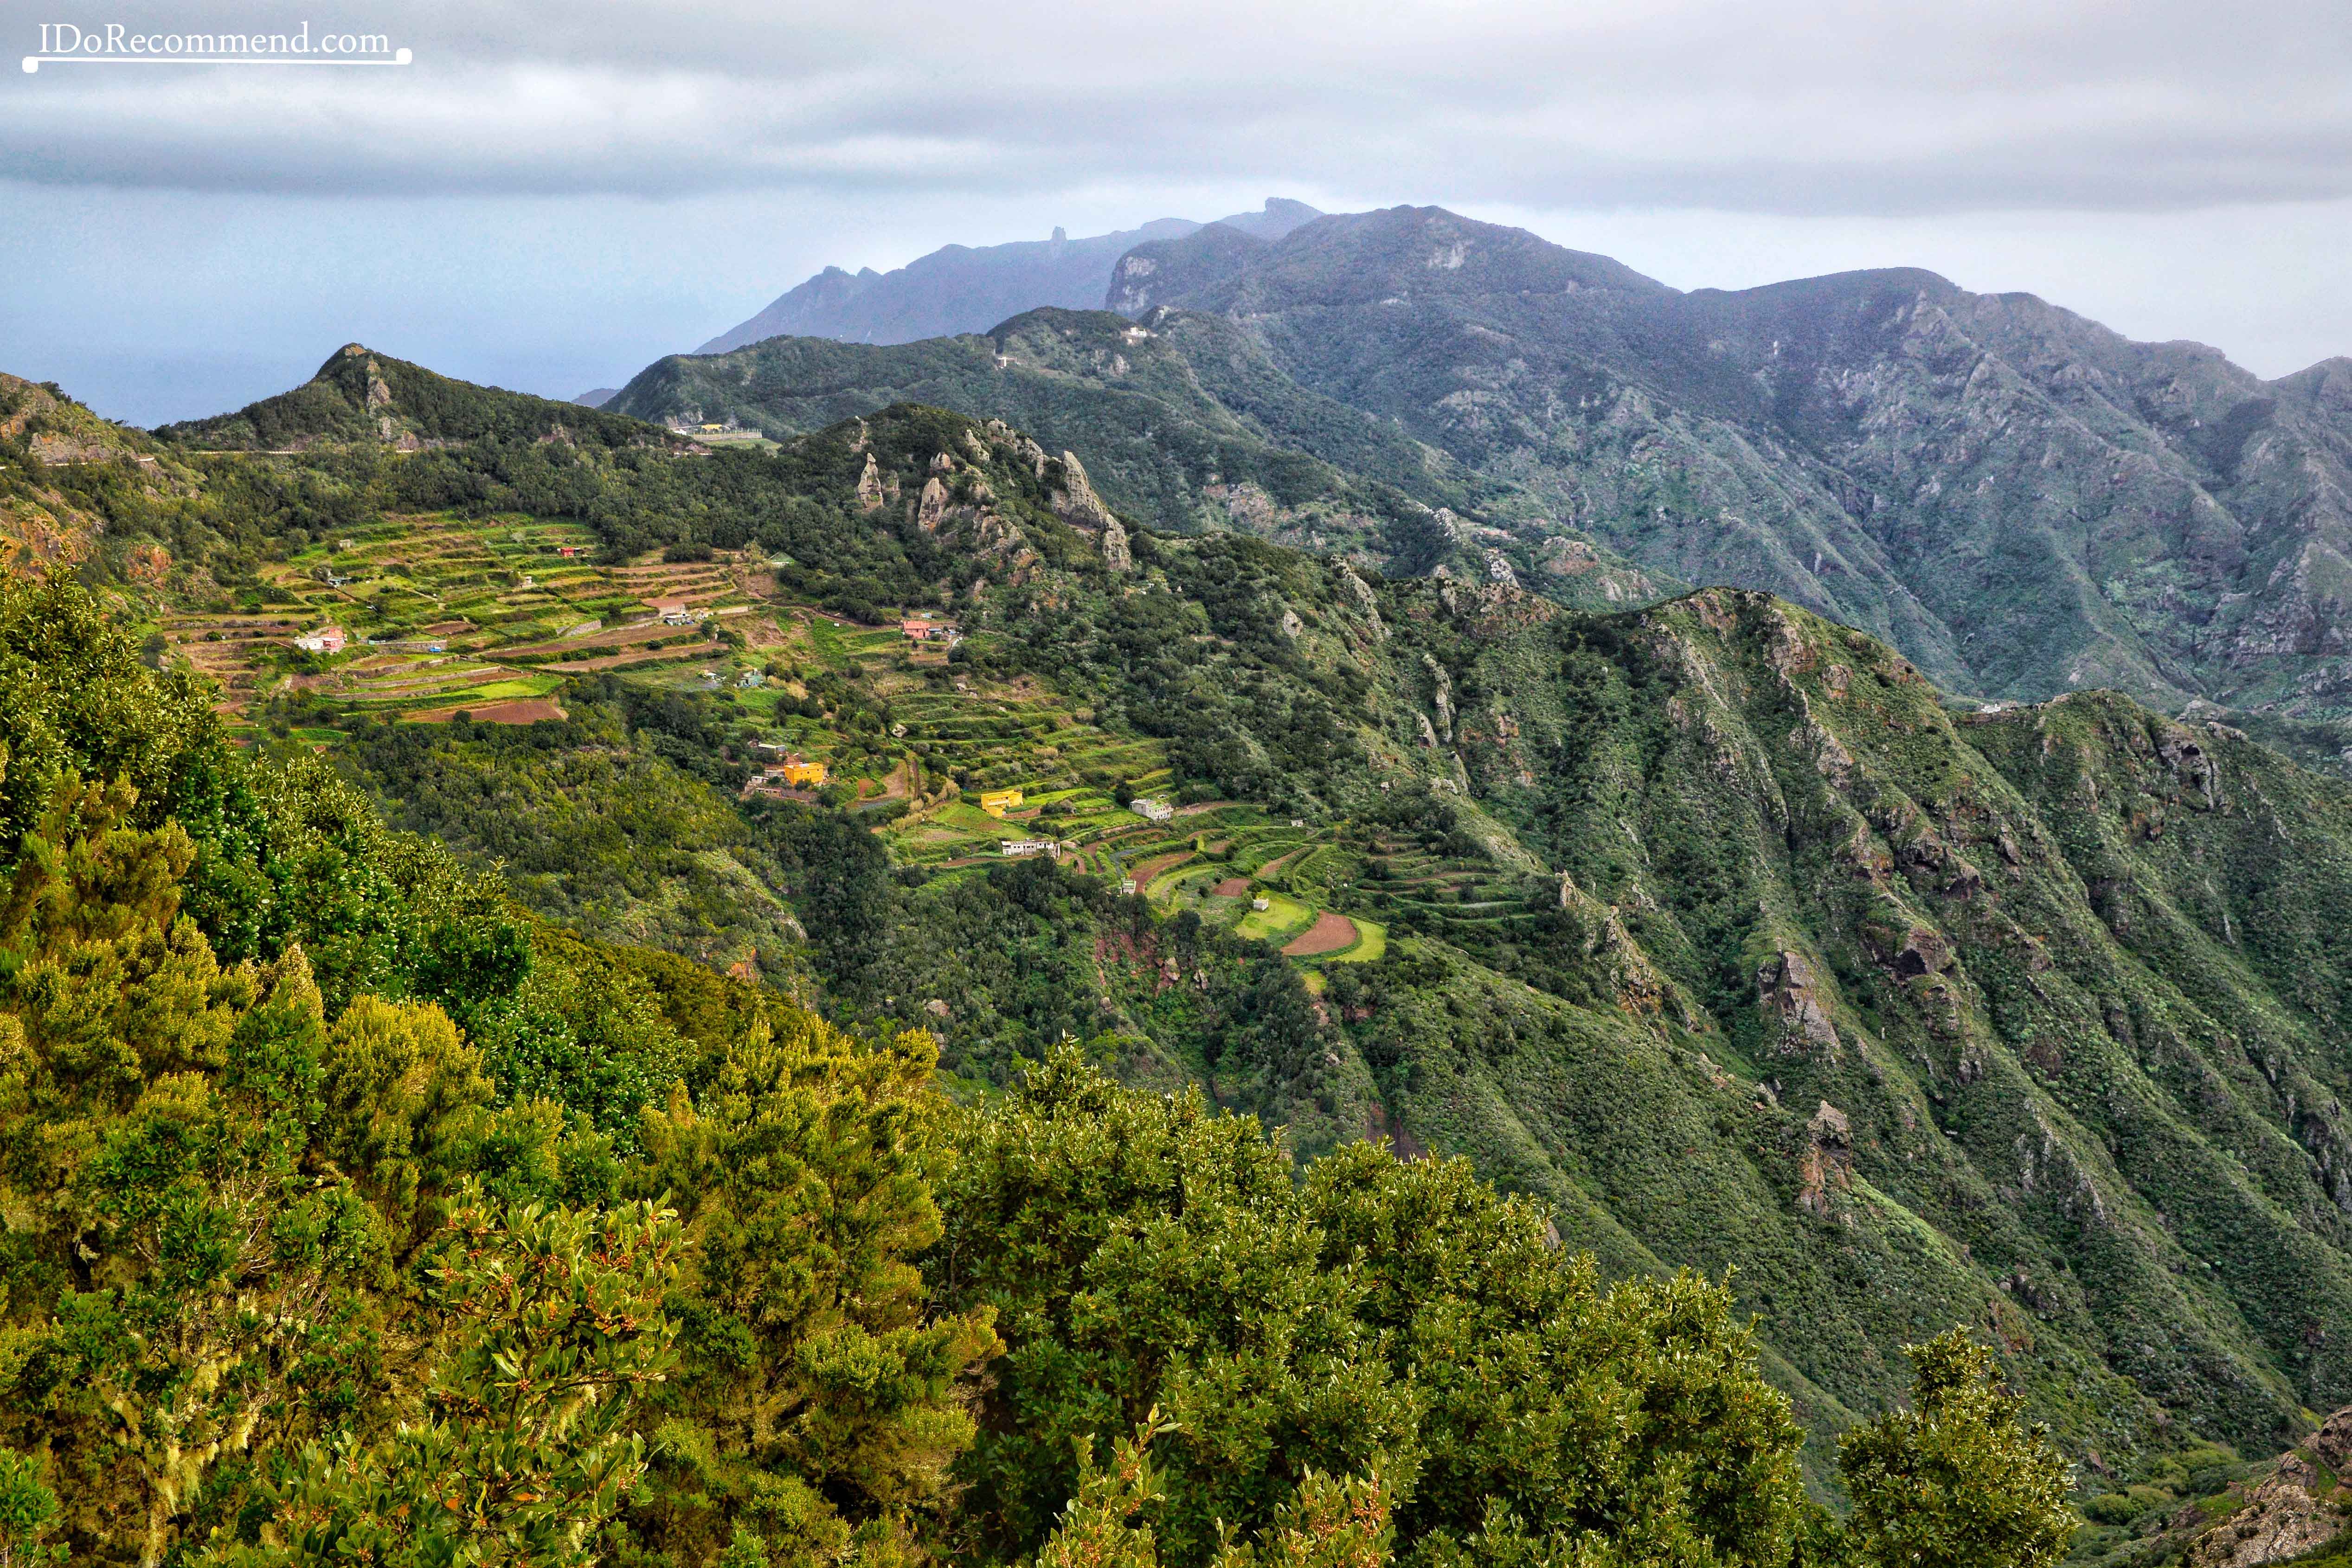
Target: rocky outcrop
{"x": 1075, "y": 502}
{"x": 1788, "y": 987}
{"x": 1442, "y": 696}
{"x": 869, "y": 486}
{"x": 2332, "y": 1444}
{"x": 1116, "y": 553}
{"x": 2285, "y": 1517}
{"x": 1365, "y": 601}
{"x": 1826, "y": 1165}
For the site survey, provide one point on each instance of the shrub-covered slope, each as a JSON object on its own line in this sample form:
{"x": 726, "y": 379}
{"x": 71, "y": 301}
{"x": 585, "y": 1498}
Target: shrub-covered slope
{"x": 359, "y": 395}
{"x": 353, "y": 1218}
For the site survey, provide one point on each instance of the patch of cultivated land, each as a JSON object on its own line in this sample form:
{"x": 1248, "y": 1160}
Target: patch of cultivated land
{"x": 1330, "y": 933}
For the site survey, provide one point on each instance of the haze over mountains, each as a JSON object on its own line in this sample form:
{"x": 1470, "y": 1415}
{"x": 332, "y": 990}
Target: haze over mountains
{"x": 961, "y": 289}
{"x": 2023, "y": 500}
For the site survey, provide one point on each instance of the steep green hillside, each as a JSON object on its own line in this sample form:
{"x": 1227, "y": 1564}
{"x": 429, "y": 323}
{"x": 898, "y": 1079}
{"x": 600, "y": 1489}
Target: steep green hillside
{"x": 1714, "y": 925}
{"x": 359, "y": 395}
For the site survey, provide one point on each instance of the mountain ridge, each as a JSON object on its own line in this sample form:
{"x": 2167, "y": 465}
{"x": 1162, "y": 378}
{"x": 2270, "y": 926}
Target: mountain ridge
{"x": 965, "y": 289}
{"x": 1832, "y": 423}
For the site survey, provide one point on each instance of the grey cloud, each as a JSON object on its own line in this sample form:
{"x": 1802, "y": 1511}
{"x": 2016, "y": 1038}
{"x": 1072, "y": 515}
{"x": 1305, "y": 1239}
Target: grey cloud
{"x": 1830, "y": 109}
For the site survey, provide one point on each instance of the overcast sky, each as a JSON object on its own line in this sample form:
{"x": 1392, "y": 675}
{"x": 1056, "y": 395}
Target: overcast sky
{"x": 558, "y": 191}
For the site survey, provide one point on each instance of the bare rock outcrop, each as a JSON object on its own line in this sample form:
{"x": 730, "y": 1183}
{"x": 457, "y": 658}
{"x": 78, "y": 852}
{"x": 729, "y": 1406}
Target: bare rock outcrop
{"x": 1788, "y": 985}
{"x": 1075, "y": 502}
{"x": 1826, "y": 1166}
{"x": 2284, "y": 1516}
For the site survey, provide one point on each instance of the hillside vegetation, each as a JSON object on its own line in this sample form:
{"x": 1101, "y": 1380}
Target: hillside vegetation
{"x": 1712, "y": 927}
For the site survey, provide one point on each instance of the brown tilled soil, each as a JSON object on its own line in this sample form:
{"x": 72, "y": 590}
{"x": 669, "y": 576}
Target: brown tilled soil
{"x": 1330, "y": 933}
{"x": 1144, "y": 870}
{"x": 1231, "y": 887}
{"x": 513, "y": 710}
{"x": 642, "y": 656}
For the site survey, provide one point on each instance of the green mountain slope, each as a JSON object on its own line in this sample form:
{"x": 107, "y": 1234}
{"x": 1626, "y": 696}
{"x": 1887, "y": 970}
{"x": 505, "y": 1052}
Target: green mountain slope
{"x": 1182, "y": 423}
{"x": 2023, "y": 500}
{"x": 359, "y": 395}
{"x": 1714, "y": 924}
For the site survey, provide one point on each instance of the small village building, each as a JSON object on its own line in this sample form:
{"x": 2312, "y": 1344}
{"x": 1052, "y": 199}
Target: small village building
{"x": 1016, "y": 847}
{"x": 1127, "y": 885}
{"x": 997, "y": 802}
{"x": 917, "y": 631}
{"x": 749, "y": 679}
{"x": 1152, "y": 810}
{"x": 1261, "y": 904}
{"x": 569, "y": 552}
{"x": 800, "y": 774}
{"x": 326, "y": 640}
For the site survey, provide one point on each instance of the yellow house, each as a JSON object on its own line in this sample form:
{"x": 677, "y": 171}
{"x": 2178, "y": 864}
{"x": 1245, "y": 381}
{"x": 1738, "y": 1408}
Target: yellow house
{"x": 799, "y": 774}
{"x": 997, "y": 802}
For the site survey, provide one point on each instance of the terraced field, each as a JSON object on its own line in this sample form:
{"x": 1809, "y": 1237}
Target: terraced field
{"x": 442, "y": 614}
{"x": 489, "y": 617}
